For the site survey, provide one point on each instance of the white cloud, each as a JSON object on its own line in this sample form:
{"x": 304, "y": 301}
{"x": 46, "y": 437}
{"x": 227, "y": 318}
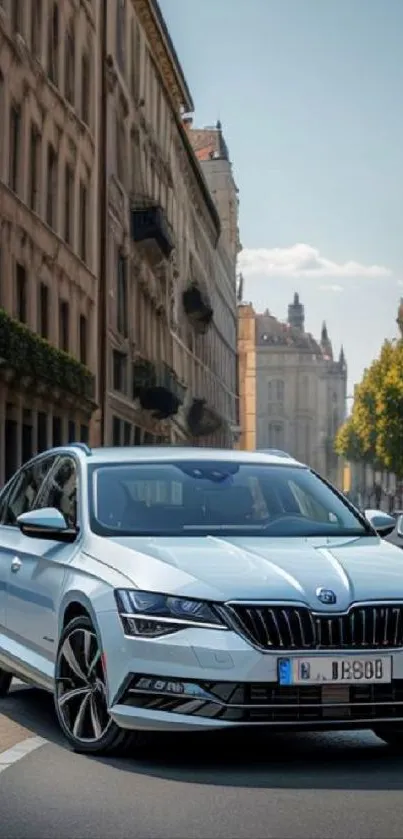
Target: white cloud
{"x": 302, "y": 261}
{"x": 335, "y": 288}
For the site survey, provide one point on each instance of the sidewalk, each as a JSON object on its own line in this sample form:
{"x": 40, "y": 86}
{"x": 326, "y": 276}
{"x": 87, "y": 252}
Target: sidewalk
{"x": 11, "y": 733}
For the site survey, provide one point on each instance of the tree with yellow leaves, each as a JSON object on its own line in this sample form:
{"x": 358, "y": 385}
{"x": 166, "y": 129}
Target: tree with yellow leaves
{"x": 374, "y": 431}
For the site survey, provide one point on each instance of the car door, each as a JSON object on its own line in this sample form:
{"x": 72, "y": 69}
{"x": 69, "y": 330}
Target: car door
{"x": 33, "y": 596}
{"x": 19, "y": 497}
{"x": 4, "y": 555}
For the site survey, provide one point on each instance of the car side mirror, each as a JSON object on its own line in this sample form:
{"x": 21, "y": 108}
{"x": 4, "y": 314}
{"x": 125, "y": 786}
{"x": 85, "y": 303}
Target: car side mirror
{"x": 47, "y": 523}
{"x": 399, "y": 526}
{"x": 381, "y": 522}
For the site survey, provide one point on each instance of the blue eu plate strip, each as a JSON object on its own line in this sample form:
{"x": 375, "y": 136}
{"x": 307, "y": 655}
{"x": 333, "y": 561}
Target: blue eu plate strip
{"x": 285, "y": 671}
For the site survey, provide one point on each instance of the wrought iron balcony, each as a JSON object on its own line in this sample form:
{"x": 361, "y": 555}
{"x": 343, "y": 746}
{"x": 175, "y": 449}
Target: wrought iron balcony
{"x": 158, "y": 388}
{"x": 197, "y": 307}
{"x": 149, "y": 225}
{"x": 203, "y": 420}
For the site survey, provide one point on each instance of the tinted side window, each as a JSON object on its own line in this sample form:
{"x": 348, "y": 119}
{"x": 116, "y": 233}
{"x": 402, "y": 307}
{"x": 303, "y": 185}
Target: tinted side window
{"x": 23, "y": 492}
{"x": 60, "y": 490}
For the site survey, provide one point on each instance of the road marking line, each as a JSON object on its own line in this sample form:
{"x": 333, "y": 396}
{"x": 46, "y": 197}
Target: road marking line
{"x": 19, "y": 751}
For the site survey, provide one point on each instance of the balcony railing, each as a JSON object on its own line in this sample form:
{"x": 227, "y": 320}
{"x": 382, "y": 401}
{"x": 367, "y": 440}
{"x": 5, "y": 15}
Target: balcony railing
{"x": 197, "y": 307}
{"x": 149, "y": 225}
{"x": 158, "y": 388}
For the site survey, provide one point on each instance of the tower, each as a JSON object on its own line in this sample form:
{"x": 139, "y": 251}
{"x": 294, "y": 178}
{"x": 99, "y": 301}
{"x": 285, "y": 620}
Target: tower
{"x": 296, "y": 314}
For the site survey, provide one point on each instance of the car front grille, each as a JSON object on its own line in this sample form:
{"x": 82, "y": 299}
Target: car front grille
{"x": 269, "y": 703}
{"x": 374, "y": 626}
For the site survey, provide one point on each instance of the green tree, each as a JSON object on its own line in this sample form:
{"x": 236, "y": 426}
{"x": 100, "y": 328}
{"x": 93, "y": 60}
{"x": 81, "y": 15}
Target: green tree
{"x": 347, "y": 443}
{"x": 389, "y": 415}
{"x": 374, "y": 431}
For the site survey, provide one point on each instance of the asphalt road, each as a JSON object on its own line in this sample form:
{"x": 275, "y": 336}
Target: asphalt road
{"x": 306, "y": 786}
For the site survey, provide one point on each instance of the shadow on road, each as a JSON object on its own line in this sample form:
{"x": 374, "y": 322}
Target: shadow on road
{"x": 351, "y": 761}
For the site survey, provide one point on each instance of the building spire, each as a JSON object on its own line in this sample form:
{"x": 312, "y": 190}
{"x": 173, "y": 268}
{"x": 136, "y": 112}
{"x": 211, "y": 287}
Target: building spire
{"x": 399, "y": 319}
{"x": 325, "y": 343}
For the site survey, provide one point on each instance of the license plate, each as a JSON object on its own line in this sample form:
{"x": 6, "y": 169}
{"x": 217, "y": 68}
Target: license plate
{"x": 364, "y": 670}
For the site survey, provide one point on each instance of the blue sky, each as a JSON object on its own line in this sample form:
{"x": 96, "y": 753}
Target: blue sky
{"x": 310, "y": 96}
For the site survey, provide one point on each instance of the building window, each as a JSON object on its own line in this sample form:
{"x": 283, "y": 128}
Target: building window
{"x": 71, "y": 431}
{"x": 44, "y": 310}
{"x": 34, "y": 167}
{"x": 51, "y": 188}
{"x": 122, "y": 297}
{"x": 36, "y": 28}
{"x": 135, "y": 47}
{"x": 64, "y": 325}
{"x": 57, "y": 431}
{"x": 85, "y": 88}
{"x": 116, "y": 426}
{"x": 276, "y": 435}
{"x": 83, "y": 339}
{"x": 275, "y": 390}
{"x": 119, "y": 372}
{"x": 53, "y": 45}
{"x": 15, "y": 140}
{"x": 69, "y": 66}
{"x": 120, "y": 147}
{"x": 275, "y": 398}
{"x": 83, "y": 222}
{"x": 121, "y": 34}
{"x": 84, "y": 434}
{"x": 68, "y": 204}
{"x": 127, "y": 433}
{"x": 21, "y": 292}
{"x": 42, "y": 432}
{"x": 16, "y": 16}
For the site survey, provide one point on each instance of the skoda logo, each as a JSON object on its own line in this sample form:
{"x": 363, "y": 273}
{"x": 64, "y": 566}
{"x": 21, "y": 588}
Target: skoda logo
{"x": 326, "y": 596}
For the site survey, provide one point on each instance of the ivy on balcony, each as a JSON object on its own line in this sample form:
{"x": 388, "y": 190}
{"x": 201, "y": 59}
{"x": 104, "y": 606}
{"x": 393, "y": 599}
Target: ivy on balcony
{"x": 28, "y": 355}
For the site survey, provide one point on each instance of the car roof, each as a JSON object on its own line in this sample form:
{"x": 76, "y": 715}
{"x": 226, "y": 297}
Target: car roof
{"x": 125, "y": 454}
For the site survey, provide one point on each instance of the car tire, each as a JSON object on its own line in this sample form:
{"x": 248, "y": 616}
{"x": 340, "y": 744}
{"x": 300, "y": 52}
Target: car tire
{"x": 5, "y": 682}
{"x": 80, "y": 694}
{"x": 393, "y": 737}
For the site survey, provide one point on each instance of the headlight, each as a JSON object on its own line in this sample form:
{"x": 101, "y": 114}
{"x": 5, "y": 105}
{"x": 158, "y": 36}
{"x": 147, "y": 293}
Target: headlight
{"x": 150, "y": 615}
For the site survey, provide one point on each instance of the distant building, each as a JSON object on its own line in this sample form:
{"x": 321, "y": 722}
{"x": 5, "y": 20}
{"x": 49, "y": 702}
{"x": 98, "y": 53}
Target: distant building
{"x": 293, "y": 390}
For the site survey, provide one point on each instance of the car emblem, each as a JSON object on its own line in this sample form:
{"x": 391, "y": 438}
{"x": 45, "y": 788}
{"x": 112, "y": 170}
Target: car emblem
{"x": 327, "y": 596}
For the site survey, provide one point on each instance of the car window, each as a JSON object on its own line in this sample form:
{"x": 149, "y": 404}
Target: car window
{"x": 230, "y": 498}
{"x": 23, "y": 491}
{"x": 60, "y": 490}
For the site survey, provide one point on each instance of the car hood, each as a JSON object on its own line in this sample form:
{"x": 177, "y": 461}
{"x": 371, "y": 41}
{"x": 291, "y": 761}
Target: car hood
{"x": 256, "y": 568}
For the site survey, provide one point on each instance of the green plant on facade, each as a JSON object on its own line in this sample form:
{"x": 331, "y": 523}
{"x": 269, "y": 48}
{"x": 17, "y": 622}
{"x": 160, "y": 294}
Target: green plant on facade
{"x": 27, "y": 354}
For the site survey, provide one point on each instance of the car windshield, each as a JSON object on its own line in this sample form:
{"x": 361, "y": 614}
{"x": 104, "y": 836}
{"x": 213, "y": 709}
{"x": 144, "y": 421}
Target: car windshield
{"x": 226, "y": 498}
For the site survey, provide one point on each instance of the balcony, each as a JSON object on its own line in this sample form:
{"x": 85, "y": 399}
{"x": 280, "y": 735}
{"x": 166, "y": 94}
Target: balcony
{"x": 150, "y": 227}
{"x": 27, "y": 358}
{"x": 203, "y": 420}
{"x": 157, "y": 388}
{"x": 197, "y": 308}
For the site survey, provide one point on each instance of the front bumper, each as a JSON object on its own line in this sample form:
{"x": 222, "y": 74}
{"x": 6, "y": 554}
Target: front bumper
{"x": 212, "y": 679}
{"x": 160, "y": 703}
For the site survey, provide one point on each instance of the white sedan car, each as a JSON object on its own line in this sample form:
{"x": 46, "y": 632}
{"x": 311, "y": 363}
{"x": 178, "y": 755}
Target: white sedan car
{"x": 154, "y": 589}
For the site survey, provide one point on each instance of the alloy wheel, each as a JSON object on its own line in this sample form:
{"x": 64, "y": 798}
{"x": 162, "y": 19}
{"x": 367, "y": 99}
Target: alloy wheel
{"x": 81, "y": 694}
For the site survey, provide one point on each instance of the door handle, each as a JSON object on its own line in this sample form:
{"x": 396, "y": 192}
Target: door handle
{"x": 16, "y": 564}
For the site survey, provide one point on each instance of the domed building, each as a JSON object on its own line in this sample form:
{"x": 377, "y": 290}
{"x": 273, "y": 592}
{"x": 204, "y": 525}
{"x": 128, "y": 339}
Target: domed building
{"x": 299, "y": 388}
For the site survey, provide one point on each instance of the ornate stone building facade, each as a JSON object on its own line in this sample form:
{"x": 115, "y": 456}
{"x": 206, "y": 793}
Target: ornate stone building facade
{"x": 117, "y": 291}
{"x": 48, "y": 243}
{"x": 171, "y": 320}
{"x": 295, "y": 396}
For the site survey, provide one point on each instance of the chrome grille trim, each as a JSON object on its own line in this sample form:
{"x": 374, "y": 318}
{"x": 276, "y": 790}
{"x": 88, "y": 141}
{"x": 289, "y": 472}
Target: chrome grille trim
{"x": 289, "y": 626}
